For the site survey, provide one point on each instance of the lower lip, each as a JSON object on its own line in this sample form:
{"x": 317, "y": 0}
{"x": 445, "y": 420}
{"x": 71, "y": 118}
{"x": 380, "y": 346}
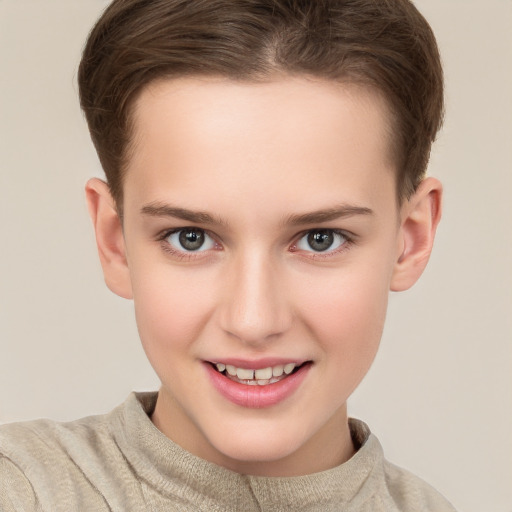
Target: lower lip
{"x": 257, "y": 397}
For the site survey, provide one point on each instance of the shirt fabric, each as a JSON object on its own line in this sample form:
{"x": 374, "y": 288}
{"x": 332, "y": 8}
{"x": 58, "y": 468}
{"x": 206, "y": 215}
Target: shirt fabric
{"x": 121, "y": 462}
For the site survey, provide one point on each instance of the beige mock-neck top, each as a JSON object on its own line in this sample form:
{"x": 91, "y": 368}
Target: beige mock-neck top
{"x": 121, "y": 462}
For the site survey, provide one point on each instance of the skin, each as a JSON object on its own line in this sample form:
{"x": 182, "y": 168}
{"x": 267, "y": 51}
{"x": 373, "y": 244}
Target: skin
{"x": 254, "y": 157}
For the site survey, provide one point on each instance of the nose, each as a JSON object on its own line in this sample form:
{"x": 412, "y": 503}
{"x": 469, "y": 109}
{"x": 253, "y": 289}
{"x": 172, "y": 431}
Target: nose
{"x": 255, "y": 307}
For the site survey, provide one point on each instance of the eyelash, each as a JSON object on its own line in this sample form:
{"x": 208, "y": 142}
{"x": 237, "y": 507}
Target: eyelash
{"x": 189, "y": 255}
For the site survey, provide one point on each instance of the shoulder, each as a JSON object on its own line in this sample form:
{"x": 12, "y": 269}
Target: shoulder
{"x": 42, "y": 460}
{"x": 411, "y": 493}
{"x": 16, "y": 492}
{"x": 45, "y": 440}
{"x": 79, "y": 465}
{"x": 387, "y": 486}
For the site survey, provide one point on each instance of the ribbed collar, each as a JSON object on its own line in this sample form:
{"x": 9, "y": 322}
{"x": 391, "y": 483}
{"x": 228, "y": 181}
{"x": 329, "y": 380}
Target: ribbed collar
{"x": 172, "y": 471}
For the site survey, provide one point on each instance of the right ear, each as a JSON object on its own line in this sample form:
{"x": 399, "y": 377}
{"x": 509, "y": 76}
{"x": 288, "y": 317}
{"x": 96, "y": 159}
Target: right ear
{"x": 109, "y": 237}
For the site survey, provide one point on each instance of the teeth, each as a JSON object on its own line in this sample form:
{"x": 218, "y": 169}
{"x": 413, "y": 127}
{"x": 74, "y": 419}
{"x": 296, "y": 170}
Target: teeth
{"x": 244, "y": 374}
{"x": 231, "y": 370}
{"x": 264, "y": 374}
{"x": 288, "y": 368}
{"x": 278, "y": 370}
{"x": 260, "y": 377}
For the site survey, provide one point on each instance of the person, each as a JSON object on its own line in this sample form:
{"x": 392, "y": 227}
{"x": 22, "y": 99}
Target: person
{"x": 266, "y": 189}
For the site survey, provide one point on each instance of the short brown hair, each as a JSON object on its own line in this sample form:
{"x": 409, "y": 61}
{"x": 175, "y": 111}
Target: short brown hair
{"x": 384, "y": 44}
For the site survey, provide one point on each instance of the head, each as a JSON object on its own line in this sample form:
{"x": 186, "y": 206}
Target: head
{"x": 265, "y": 164}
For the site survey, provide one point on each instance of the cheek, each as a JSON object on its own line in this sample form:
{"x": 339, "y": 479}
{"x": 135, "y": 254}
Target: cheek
{"x": 171, "y": 310}
{"x": 346, "y": 314}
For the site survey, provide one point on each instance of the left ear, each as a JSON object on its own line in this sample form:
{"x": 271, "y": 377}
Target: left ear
{"x": 420, "y": 216}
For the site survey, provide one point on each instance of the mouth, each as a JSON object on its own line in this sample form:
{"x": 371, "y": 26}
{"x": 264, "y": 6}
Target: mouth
{"x": 257, "y": 384}
{"x": 260, "y": 376}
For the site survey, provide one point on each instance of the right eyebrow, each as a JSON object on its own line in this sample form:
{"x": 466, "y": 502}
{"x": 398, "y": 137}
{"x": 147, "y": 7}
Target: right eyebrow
{"x": 166, "y": 210}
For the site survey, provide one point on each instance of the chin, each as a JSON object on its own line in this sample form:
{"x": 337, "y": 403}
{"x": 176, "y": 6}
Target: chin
{"x": 260, "y": 451}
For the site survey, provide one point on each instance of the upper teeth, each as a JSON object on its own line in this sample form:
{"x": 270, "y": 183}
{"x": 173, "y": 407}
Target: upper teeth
{"x": 261, "y": 374}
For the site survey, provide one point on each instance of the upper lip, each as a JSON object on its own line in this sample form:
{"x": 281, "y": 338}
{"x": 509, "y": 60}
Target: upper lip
{"x": 257, "y": 364}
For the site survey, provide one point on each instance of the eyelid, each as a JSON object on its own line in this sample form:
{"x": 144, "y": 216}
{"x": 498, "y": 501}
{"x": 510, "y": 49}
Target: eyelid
{"x": 166, "y": 233}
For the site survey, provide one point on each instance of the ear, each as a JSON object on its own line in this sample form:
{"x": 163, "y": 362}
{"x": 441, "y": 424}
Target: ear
{"x": 109, "y": 237}
{"x": 419, "y": 219}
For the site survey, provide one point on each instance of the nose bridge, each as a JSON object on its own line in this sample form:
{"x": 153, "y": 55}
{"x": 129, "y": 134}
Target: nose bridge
{"x": 255, "y": 307}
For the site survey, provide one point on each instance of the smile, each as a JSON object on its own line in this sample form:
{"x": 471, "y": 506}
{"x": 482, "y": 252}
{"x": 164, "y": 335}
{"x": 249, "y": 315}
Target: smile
{"x": 257, "y": 388}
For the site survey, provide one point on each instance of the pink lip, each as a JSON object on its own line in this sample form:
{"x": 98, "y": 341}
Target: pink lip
{"x": 256, "y": 397}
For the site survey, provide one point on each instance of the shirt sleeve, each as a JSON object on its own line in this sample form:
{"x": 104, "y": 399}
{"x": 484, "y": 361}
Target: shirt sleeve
{"x": 16, "y": 492}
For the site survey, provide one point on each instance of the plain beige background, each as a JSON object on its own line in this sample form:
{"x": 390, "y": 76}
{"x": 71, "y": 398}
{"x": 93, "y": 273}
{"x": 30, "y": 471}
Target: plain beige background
{"x": 439, "y": 396}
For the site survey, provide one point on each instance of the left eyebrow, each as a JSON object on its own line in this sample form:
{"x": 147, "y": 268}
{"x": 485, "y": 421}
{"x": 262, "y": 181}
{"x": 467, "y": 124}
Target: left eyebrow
{"x": 328, "y": 214}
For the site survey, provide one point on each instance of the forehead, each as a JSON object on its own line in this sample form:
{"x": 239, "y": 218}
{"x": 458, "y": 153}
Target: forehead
{"x": 291, "y": 134}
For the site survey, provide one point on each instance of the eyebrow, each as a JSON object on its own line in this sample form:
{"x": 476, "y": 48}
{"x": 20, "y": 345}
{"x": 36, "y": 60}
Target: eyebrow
{"x": 167, "y": 210}
{"x": 200, "y": 217}
{"x": 328, "y": 214}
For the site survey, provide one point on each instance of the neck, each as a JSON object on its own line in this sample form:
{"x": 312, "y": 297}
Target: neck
{"x": 314, "y": 456}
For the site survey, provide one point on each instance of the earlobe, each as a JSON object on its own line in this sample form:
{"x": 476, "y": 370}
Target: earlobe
{"x": 109, "y": 237}
{"x": 420, "y": 217}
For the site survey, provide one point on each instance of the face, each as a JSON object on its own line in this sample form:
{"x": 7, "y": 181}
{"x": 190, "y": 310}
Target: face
{"x": 261, "y": 232}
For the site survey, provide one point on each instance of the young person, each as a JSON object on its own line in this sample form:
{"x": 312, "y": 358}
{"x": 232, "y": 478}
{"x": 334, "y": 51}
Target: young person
{"x": 266, "y": 188}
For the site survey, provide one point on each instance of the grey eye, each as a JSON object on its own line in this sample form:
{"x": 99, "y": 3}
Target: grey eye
{"x": 321, "y": 240}
{"x": 190, "y": 240}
